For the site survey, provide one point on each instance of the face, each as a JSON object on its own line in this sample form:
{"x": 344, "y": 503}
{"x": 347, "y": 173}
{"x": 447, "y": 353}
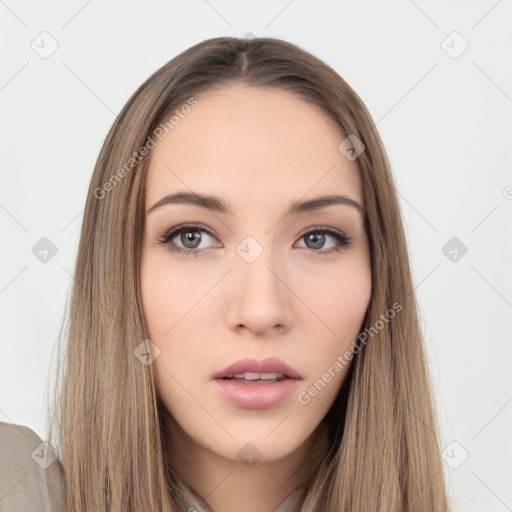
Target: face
{"x": 256, "y": 281}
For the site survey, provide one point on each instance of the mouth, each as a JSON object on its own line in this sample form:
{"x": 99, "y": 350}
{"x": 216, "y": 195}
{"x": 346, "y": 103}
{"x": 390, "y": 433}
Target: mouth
{"x": 253, "y": 384}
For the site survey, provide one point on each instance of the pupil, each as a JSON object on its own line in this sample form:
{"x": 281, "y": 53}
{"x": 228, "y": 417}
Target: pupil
{"x": 317, "y": 239}
{"x": 191, "y": 239}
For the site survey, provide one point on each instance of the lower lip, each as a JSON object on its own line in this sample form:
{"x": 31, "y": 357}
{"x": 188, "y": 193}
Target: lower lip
{"x": 256, "y": 396}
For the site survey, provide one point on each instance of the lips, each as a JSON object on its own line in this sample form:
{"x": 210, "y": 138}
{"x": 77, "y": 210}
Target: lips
{"x": 268, "y": 365}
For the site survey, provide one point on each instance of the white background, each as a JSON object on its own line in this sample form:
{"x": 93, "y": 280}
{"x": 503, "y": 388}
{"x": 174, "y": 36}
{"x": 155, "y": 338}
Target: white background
{"x": 445, "y": 122}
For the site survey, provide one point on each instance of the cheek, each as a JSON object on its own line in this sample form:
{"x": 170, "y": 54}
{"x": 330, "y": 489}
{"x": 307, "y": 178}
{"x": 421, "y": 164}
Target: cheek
{"x": 352, "y": 298}
{"x": 172, "y": 305}
{"x": 343, "y": 302}
{"x": 168, "y": 293}
{"x": 341, "y": 306}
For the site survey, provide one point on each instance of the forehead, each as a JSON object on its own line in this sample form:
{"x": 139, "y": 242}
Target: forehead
{"x": 245, "y": 139}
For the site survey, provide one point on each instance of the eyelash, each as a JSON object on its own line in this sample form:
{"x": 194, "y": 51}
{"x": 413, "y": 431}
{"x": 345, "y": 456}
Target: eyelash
{"x": 165, "y": 240}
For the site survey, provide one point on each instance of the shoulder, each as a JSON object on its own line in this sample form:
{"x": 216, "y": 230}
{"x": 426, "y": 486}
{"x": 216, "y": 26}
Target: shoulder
{"x": 31, "y": 475}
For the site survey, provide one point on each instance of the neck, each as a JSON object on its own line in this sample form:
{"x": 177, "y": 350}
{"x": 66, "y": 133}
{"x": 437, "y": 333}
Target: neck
{"x": 230, "y": 485}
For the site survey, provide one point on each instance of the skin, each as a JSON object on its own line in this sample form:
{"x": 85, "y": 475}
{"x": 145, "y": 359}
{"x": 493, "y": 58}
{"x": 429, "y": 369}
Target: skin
{"x": 259, "y": 150}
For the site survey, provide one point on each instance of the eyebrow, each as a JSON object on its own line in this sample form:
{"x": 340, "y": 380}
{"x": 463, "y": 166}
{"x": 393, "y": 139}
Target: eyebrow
{"x": 216, "y": 204}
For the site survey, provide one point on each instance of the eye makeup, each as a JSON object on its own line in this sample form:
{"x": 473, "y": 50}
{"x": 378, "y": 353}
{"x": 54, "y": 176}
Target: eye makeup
{"x": 314, "y": 234}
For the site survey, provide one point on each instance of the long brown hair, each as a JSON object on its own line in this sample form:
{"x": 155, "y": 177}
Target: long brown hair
{"x": 384, "y": 453}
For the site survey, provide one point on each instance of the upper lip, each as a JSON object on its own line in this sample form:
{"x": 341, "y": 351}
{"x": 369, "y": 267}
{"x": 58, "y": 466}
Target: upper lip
{"x": 268, "y": 365}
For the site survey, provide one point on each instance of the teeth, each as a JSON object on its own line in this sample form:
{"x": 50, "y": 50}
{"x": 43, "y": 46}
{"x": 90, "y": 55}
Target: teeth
{"x": 256, "y": 376}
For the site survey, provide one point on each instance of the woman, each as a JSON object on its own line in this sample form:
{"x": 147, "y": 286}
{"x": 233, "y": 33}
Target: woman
{"x": 243, "y": 332}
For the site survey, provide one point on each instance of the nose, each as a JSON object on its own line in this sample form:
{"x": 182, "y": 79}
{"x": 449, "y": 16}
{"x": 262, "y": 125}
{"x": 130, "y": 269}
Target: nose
{"x": 261, "y": 299}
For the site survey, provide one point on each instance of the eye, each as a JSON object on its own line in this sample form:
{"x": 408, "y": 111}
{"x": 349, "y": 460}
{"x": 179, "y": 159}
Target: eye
{"x": 190, "y": 237}
{"x": 315, "y": 239}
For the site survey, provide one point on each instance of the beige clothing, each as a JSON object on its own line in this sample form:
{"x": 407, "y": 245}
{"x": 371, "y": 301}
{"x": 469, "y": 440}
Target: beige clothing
{"x": 32, "y": 478}
{"x": 197, "y": 504}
